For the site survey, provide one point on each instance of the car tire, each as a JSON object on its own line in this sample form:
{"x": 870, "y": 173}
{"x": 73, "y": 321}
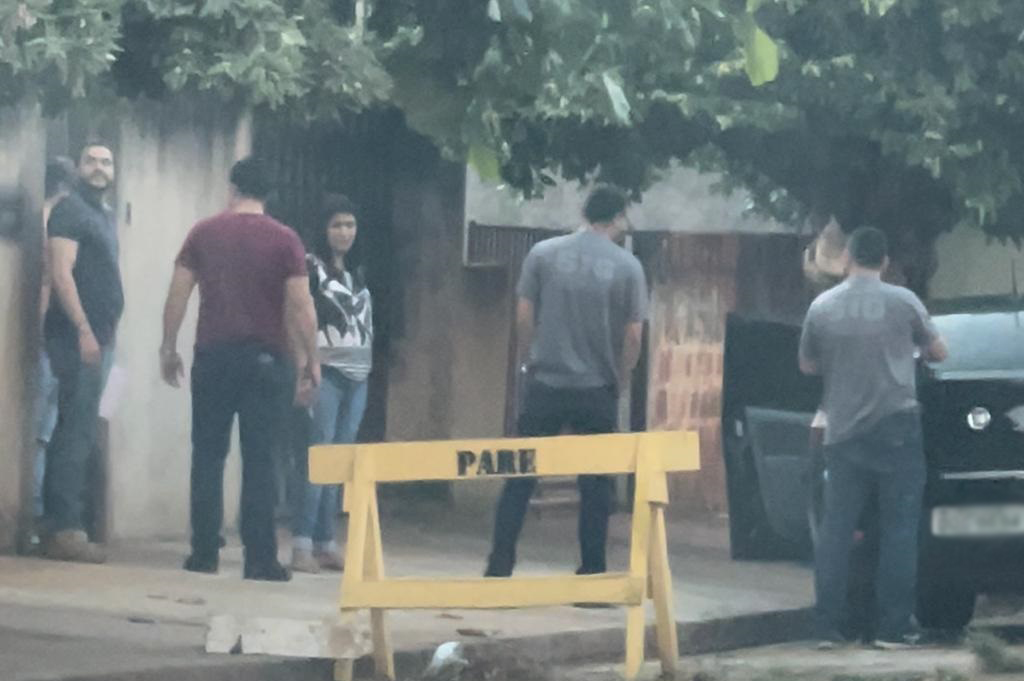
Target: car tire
{"x": 944, "y": 606}
{"x": 751, "y": 537}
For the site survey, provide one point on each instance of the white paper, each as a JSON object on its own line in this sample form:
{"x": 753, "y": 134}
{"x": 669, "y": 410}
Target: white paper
{"x": 112, "y": 392}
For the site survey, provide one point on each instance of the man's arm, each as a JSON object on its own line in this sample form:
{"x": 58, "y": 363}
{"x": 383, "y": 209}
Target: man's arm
{"x": 524, "y": 329}
{"x": 926, "y": 336}
{"x": 808, "y": 354}
{"x": 63, "y": 255}
{"x": 937, "y": 351}
{"x": 631, "y": 344}
{"x": 809, "y": 366}
{"x": 45, "y": 288}
{"x": 638, "y": 309}
{"x": 300, "y": 324}
{"x": 182, "y": 283}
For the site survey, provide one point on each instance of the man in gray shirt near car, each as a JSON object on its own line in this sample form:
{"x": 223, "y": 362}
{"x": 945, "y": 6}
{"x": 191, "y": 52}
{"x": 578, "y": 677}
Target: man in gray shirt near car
{"x": 862, "y": 337}
{"x": 582, "y": 306}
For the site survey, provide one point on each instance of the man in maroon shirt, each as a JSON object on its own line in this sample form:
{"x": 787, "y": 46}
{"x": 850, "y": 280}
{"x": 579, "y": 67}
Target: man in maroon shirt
{"x": 254, "y": 310}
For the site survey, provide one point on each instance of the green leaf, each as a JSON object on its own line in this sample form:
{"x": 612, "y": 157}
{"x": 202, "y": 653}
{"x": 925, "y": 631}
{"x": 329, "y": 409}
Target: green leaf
{"x": 293, "y": 38}
{"x": 879, "y": 7}
{"x": 522, "y": 10}
{"x": 214, "y": 8}
{"x": 620, "y": 105}
{"x": 494, "y": 10}
{"x": 762, "y": 54}
{"x": 485, "y": 162}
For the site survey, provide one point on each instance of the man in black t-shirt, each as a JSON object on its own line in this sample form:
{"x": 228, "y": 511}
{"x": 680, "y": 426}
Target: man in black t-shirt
{"x": 80, "y": 327}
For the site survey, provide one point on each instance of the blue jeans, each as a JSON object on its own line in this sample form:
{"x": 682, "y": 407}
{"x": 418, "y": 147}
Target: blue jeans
{"x": 46, "y": 421}
{"x": 336, "y": 417}
{"x": 254, "y": 383}
{"x": 889, "y": 460}
{"x": 80, "y": 387}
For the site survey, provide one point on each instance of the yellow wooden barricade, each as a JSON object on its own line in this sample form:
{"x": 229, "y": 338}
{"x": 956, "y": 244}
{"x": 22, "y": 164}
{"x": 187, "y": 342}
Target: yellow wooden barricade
{"x": 649, "y": 455}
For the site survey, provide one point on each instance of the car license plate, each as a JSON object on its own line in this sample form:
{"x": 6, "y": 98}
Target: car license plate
{"x": 978, "y": 521}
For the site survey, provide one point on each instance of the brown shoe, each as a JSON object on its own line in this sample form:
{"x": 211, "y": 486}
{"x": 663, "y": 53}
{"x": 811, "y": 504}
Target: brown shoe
{"x": 303, "y": 561}
{"x": 330, "y": 561}
{"x": 73, "y": 546}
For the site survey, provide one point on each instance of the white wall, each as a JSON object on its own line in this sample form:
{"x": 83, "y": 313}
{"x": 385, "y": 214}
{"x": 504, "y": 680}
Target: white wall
{"x": 22, "y": 142}
{"x": 971, "y": 264}
{"x": 683, "y": 200}
{"x": 173, "y": 165}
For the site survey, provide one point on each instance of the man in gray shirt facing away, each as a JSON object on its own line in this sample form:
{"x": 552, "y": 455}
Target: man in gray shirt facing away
{"x": 582, "y": 305}
{"x": 862, "y": 337}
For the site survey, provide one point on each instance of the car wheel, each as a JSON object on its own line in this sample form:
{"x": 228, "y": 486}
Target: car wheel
{"x": 750, "y": 535}
{"x": 944, "y": 606}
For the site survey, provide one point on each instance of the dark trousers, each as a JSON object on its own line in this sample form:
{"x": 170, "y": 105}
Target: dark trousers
{"x": 253, "y": 383}
{"x": 552, "y": 411}
{"x": 889, "y": 461}
{"x": 73, "y": 442}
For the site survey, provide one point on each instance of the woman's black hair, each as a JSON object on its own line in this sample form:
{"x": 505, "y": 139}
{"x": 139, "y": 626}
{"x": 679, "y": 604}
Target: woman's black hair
{"x": 60, "y": 176}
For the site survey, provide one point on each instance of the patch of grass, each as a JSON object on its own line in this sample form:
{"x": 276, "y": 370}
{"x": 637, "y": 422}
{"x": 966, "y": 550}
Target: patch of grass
{"x": 993, "y": 654}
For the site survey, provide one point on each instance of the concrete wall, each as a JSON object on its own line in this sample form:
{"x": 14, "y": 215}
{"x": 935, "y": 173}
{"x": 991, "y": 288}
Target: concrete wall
{"x": 22, "y": 144}
{"x": 971, "y": 264}
{"x": 173, "y": 162}
{"x": 449, "y": 356}
{"x": 683, "y": 200}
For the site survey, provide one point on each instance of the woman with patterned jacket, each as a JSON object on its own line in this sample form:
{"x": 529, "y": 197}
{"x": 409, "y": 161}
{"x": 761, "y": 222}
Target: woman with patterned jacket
{"x": 345, "y": 341}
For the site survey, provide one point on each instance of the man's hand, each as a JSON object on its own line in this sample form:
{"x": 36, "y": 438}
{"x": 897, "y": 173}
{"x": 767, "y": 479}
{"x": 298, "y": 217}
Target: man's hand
{"x": 936, "y": 351}
{"x": 89, "y": 347}
{"x": 182, "y": 282}
{"x": 171, "y": 367}
{"x": 307, "y": 384}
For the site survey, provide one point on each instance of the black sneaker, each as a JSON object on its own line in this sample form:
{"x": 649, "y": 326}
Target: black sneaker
{"x": 267, "y": 571}
{"x": 498, "y": 568}
{"x": 203, "y": 564}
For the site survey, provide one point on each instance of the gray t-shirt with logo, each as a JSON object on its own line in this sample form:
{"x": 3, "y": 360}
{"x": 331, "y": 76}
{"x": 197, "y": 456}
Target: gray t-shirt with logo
{"x": 863, "y": 334}
{"x": 585, "y": 290}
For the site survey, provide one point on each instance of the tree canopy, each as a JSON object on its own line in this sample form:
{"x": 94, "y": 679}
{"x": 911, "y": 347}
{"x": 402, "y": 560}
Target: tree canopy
{"x": 903, "y": 113}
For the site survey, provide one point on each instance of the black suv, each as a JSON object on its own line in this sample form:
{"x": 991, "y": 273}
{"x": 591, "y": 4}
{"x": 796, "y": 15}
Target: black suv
{"x": 973, "y": 417}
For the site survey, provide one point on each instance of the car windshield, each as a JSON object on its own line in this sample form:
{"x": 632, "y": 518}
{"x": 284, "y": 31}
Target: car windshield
{"x": 987, "y": 343}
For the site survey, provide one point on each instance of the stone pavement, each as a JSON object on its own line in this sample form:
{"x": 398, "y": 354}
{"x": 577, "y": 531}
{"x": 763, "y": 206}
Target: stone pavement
{"x": 140, "y": 616}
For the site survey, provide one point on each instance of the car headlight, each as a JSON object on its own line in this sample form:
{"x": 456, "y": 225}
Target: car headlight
{"x": 979, "y": 418}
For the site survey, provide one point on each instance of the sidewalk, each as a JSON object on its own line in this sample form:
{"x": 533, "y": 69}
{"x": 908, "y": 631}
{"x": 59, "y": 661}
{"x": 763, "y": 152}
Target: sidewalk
{"x": 141, "y": 613}
{"x": 798, "y": 662}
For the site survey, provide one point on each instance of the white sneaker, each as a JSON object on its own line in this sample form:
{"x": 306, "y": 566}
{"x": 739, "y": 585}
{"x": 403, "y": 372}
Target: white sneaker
{"x": 304, "y": 561}
{"x": 907, "y": 642}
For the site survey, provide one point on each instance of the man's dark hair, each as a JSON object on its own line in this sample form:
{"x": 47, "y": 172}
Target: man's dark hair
{"x": 60, "y": 175}
{"x": 89, "y": 144}
{"x": 869, "y": 247}
{"x": 604, "y": 204}
{"x": 251, "y": 178}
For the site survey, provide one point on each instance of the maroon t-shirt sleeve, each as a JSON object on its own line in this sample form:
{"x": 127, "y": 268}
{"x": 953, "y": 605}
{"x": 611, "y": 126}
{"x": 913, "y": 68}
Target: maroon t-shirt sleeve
{"x": 188, "y": 256}
{"x": 295, "y": 256}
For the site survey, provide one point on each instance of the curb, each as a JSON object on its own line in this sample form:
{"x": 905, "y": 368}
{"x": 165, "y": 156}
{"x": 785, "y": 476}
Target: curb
{"x": 567, "y": 648}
